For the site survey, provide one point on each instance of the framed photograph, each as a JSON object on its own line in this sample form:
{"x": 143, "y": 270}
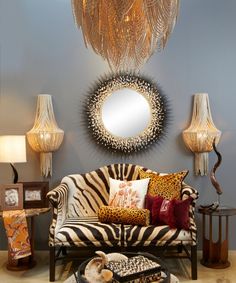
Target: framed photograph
{"x": 11, "y": 196}
{"x": 34, "y": 194}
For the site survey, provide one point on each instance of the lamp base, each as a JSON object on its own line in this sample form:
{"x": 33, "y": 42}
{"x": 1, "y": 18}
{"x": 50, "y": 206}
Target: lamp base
{"x": 15, "y": 174}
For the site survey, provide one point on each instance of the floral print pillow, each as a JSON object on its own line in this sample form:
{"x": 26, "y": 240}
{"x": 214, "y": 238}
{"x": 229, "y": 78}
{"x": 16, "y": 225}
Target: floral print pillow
{"x": 129, "y": 194}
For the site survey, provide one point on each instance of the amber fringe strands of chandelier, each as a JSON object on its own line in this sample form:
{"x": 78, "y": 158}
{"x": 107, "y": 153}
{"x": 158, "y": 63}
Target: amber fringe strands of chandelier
{"x": 125, "y": 32}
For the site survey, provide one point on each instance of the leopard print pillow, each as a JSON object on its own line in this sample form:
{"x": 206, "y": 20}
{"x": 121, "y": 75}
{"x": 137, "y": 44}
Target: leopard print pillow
{"x": 121, "y": 215}
{"x": 167, "y": 186}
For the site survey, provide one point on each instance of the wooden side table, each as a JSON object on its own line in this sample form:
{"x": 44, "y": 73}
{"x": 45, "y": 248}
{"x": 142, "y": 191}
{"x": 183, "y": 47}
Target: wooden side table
{"x": 215, "y": 254}
{"x": 29, "y": 261}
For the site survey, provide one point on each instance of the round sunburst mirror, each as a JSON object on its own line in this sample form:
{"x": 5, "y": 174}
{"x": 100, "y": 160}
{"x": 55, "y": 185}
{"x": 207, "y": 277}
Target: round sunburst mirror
{"x": 126, "y": 113}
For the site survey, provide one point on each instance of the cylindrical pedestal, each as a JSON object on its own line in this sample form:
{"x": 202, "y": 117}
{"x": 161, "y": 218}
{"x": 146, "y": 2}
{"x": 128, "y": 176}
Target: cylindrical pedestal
{"x": 215, "y": 253}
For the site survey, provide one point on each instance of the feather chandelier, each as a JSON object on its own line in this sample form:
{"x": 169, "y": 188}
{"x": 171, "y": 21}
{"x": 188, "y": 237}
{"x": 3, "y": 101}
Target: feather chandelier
{"x": 125, "y": 32}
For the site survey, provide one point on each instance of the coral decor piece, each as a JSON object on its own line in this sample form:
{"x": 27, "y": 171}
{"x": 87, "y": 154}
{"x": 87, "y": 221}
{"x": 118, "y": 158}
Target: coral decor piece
{"x": 125, "y": 33}
{"x": 200, "y": 134}
{"x": 213, "y": 171}
{"x": 45, "y": 136}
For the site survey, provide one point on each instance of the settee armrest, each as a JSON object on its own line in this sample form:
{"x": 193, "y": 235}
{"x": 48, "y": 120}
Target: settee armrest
{"x": 58, "y": 198}
{"x": 188, "y": 191}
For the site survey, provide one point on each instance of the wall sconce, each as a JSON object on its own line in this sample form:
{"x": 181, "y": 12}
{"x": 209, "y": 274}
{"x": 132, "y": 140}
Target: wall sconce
{"x": 45, "y": 136}
{"x": 201, "y": 133}
{"x": 13, "y": 150}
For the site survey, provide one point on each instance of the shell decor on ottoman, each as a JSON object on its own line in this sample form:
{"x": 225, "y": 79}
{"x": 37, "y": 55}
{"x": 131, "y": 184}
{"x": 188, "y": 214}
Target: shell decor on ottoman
{"x": 95, "y": 272}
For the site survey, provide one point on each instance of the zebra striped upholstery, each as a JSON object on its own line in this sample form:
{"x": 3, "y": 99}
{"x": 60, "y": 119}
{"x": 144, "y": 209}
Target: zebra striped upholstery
{"x": 76, "y": 202}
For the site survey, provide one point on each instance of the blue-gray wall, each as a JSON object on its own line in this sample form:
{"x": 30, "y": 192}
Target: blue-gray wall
{"x": 42, "y": 51}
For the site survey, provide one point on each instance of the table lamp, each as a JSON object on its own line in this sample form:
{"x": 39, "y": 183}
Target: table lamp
{"x": 13, "y": 150}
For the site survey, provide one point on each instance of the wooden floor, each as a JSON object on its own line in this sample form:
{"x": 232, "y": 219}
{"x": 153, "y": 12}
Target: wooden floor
{"x": 181, "y": 268}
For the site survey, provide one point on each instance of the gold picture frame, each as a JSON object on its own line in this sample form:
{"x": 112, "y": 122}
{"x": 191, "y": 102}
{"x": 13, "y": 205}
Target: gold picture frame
{"x": 11, "y": 196}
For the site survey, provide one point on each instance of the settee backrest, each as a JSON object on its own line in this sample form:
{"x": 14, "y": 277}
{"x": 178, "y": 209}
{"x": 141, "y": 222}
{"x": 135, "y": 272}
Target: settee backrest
{"x": 88, "y": 192}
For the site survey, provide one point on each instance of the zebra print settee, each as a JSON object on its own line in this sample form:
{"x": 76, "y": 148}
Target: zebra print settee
{"x": 75, "y": 224}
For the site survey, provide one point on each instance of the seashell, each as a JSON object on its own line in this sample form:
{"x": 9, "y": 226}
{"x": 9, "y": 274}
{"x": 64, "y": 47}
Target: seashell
{"x": 94, "y": 267}
{"x": 107, "y": 275}
{"x": 103, "y": 256}
{"x": 116, "y": 257}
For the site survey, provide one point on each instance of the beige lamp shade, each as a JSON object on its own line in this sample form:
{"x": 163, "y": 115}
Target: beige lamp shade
{"x": 199, "y": 136}
{"x": 13, "y": 150}
{"x": 45, "y": 136}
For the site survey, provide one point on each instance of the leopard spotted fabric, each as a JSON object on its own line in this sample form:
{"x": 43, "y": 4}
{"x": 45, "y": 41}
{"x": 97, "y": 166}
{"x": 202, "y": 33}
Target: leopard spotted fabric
{"x": 167, "y": 186}
{"x": 132, "y": 216}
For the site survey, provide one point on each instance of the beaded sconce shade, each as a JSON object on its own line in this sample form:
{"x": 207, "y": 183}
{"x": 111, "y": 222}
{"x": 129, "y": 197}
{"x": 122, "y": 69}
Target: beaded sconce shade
{"x": 125, "y": 32}
{"x": 199, "y": 136}
{"x": 45, "y": 136}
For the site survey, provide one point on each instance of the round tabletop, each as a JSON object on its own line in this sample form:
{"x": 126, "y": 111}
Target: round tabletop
{"x": 33, "y": 211}
{"x": 220, "y": 211}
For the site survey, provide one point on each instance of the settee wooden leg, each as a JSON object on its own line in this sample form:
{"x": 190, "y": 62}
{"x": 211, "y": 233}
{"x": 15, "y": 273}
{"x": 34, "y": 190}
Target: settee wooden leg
{"x": 179, "y": 249}
{"x": 194, "y": 262}
{"x": 52, "y": 264}
{"x": 64, "y": 251}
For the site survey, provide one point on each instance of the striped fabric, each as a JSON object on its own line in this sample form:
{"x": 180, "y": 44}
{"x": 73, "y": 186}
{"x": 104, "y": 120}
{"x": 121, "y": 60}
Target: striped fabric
{"x": 88, "y": 231}
{"x": 154, "y": 236}
{"x": 88, "y": 192}
{"x": 76, "y": 202}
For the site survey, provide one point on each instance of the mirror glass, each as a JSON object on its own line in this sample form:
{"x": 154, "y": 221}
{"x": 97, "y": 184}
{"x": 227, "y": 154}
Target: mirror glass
{"x": 126, "y": 113}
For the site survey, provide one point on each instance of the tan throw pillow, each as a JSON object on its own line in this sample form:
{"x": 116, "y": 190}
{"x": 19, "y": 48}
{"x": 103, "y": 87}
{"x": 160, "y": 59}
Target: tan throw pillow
{"x": 121, "y": 215}
{"x": 128, "y": 193}
{"x": 150, "y": 175}
{"x": 167, "y": 186}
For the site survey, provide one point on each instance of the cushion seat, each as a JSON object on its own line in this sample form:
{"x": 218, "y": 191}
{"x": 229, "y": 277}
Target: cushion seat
{"x": 88, "y": 231}
{"x": 155, "y": 236}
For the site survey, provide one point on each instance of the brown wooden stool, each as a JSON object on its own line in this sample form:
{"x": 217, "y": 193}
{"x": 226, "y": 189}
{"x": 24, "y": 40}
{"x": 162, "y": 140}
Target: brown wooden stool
{"x": 215, "y": 254}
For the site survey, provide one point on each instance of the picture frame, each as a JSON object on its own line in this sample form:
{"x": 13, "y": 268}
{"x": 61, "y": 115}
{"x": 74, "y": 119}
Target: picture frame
{"x": 11, "y": 196}
{"x": 35, "y": 194}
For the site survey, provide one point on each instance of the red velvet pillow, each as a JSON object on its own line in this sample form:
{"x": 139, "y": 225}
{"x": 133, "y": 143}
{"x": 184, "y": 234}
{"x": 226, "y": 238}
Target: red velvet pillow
{"x": 162, "y": 211}
{"x": 181, "y": 213}
{"x": 174, "y": 213}
{"x": 148, "y": 202}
